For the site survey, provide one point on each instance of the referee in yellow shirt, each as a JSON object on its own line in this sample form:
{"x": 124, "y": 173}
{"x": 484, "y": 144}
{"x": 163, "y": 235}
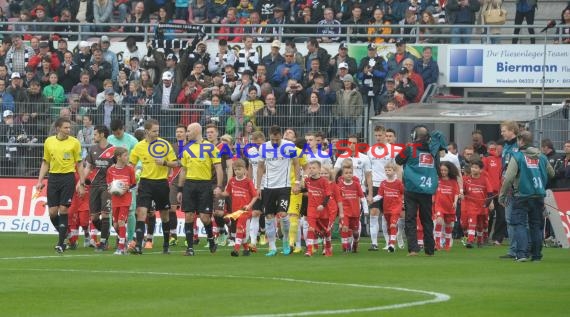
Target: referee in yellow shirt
{"x": 62, "y": 157}
{"x": 194, "y": 190}
{"x": 156, "y": 156}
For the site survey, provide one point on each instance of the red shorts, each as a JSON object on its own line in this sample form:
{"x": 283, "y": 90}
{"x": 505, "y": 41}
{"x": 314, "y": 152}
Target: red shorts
{"x": 120, "y": 214}
{"x": 319, "y": 225}
{"x": 78, "y": 218}
{"x": 353, "y": 223}
{"x": 391, "y": 219}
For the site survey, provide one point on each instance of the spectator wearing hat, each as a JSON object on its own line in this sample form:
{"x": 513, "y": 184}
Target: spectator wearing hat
{"x": 99, "y": 69}
{"x": 356, "y": 19}
{"x": 17, "y": 91}
{"x": 107, "y": 84}
{"x": 378, "y": 28}
{"x": 315, "y": 51}
{"x": 168, "y": 90}
{"x": 42, "y": 17}
{"x": 44, "y": 54}
{"x": 405, "y": 86}
{"x": 54, "y": 92}
{"x": 6, "y": 99}
{"x": 172, "y": 66}
{"x": 68, "y": 72}
{"x": 371, "y": 74}
{"x": 19, "y": 55}
{"x": 342, "y": 57}
{"x": 395, "y": 61}
{"x": 389, "y": 93}
{"x": 273, "y": 59}
{"x": 109, "y": 56}
{"x": 108, "y": 110}
{"x": 61, "y": 46}
{"x": 462, "y": 12}
{"x": 194, "y": 54}
{"x": 348, "y": 109}
{"x": 337, "y": 83}
{"x": 83, "y": 56}
{"x": 286, "y": 71}
{"x": 278, "y": 18}
{"x": 329, "y": 27}
{"x": 132, "y": 51}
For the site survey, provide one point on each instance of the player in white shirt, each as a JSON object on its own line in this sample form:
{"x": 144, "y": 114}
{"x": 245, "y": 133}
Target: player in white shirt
{"x": 253, "y": 155}
{"x": 275, "y": 163}
{"x": 361, "y": 166}
{"x": 316, "y": 149}
{"x": 380, "y": 154}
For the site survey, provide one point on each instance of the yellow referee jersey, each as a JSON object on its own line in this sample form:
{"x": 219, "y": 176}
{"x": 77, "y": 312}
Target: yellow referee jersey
{"x": 62, "y": 155}
{"x": 199, "y": 164}
{"x": 147, "y": 153}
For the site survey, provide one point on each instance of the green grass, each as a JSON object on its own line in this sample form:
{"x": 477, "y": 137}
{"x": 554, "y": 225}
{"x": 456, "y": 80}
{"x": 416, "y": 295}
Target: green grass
{"x": 34, "y": 281}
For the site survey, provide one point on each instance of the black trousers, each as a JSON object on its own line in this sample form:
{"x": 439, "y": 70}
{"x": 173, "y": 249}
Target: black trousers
{"x": 500, "y": 223}
{"x": 419, "y": 204}
{"x": 529, "y": 17}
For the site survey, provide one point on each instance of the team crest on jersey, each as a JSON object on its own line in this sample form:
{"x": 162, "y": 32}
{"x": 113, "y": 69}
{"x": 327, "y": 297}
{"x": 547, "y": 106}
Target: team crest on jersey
{"x": 531, "y": 162}
{"x": 426, "y": 160}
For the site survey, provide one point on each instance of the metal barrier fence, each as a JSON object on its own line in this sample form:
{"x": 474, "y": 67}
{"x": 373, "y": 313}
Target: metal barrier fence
{"x": 21, "y": 146}
{"x": 296, "y": 32}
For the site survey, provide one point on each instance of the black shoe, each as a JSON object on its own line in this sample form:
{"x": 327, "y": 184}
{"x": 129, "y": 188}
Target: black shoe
{"x": 59, "y": 249}
{"x": 246, "y": 252}
{"x": 234, "y": 253}
{"x": 137, "y": 250}
{"x": 101, "y": 247}
{"x": 212, "y": 245}
{"x": 507, "y": 256}
{"x": 189, "y": 252}
{"x": 165, "y": 250}
{"x": 469, "y": 245}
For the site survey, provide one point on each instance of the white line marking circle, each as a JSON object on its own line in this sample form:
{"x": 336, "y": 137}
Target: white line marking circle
{"x": 437, "y": 297}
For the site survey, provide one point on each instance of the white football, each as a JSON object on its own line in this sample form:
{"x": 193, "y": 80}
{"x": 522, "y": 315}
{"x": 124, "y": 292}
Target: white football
{"x": 117, "y": 187}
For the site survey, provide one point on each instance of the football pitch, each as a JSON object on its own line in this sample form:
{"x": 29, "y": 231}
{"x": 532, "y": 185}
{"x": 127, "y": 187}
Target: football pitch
{"x": 34, "y": 281}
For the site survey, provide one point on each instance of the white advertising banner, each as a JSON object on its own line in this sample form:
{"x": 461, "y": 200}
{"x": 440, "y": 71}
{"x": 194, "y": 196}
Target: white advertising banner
{"x": 508, "y": 66}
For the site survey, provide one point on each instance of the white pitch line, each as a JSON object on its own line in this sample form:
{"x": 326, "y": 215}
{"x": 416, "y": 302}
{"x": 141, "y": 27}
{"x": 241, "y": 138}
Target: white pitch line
{"x": 438, "y": 297}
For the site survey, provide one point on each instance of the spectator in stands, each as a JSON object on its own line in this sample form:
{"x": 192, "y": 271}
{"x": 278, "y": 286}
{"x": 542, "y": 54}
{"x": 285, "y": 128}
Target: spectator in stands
{"x": 265, "y": 8}
{"x": 87, "y": 133}
{"x": 255, "y": 31}
{"x": 563, "y": 30}
{"x": 202, "y": 79}
{"x": 395, "y": 61}
{"x": 87, "y": 92}
{"x": 377, "y": 28}
{"x": 41, "y": 16}
{"x": 525, "y": 10}
{"x": 19, "y": 93}
{"x": 326, "y": 96}
{"x": 121, "y": 86}
{"x": 36, "y": 61}
{"x": 25, "y": 26}
{"x": 99, "y": 69}
{"x": 75, "y": 109}
{"x": 6, "y": 99}
{"x": 269, "y": 115}
{"x": 278, "y": 18}
{"x": 394, "y": 10}
{"x": 187, "y": 99}
{"x": 54, "y": 92}
{"x": 315, "y": 51}
{"x": 102, "y": 13}
{"x": 427, "y": 31}
{"x": 68, "y": 72}
{"x": 109, "y": 56}
{"x": 305, "y": 18}
{"x": 13, "y": 135}
{"x": 405, "y": 86}
{"x": 230, "y": 77}
{"x": 4, "y": 73}
{"x": 292, "y": 102}
{"x": 260, "y": 76}
{"x": 61, "y": 47}
{"x": 290, "y": 46}
{"x": 337, "y": 83}
{"x": 348, "y": 109}
{"x": 248, "y": 57}
{"x": 252, "y": 104}
{"x": 139, "y": 17}
{"x": 408, "y": 63}
{"x": 241, "y": 91}
{"x": 83, "y": 56}
{"x": 329, "y": 27}
{"x": 108, "y": 110}
{"x": 312, "y": 73}
{"x": 64, "y": 113}
{"x": 199, "y": 54}
{"x": 107, "y": 84}
{"x": 198, "y": 12}
{"x": 236, "y": 122}
{"x": 146, "y": 78}
{"x": 217, "y": 11}
{"x": 273, "y": 59}
{"x": 243, "y": 10}
{"x": 371, "y": 75}
{"x": 134, "y": 94}
{"x": 63, "y": 28}
{"x": 316, "y": 116}
{"x": 390, "y": 93}
{"x": 462, "y": 12}
{"x": 343, "y": 9}
{"x": 232, "y": 25}
{"x": 491, "y": 5}
{"x": 408, "y": 29}
{"x": 215, "y": 112}
{"x": 223, "y": 57}
{"x": 286, "y": 71}
{"x": 19, "y": 55}
{"x": 427, "y": 67}
{"x": 342, "y": 57}
{"x": 356, "y": 19}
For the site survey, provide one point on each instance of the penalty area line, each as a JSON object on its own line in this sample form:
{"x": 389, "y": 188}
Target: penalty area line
{"x": 437, "y": 297}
